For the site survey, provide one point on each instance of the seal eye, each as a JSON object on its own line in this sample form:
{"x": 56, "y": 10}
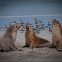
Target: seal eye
{"x": 30, "y": 26}
{"x": 16, "y": 26}
{"x": 57, "y": 22}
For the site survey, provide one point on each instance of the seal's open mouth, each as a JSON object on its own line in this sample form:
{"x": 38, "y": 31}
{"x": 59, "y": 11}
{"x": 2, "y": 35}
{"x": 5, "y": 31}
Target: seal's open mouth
{"x": 27, "y": 28}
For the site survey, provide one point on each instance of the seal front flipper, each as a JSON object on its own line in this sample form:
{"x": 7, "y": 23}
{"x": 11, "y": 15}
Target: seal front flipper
{"x": 15, "y": 49}
{"x": 26, "y": 46}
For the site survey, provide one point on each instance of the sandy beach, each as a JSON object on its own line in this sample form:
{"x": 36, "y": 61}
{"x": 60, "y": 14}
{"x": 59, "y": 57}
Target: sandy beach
{"x": 30, "y": 55}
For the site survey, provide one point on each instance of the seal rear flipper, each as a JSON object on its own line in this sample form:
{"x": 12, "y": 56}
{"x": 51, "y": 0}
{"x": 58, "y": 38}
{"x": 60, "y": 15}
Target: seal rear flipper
{"x": 59, "y": 50}
{"x": 52, "y": 46}
{"x": 44, "y": 45}
{"x": 59, "y": 46}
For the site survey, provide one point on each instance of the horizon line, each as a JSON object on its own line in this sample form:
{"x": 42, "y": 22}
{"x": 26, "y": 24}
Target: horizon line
{"x": 30, "y": 15}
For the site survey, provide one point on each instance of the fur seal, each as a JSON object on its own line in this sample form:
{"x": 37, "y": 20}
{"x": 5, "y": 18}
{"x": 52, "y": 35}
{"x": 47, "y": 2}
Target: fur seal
{"x": 27, "y": 37}
{"x": 7, "y": 42}
{"x": 32, "y": 40}
{"x": 57, "y": 35}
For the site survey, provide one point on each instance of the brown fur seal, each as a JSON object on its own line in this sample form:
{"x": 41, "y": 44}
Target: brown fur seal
{"x": 27, "y": 37}
{"x": 56, "y": 35}
{"x": 7, "y": 42}
{"x": 32, "y": 40}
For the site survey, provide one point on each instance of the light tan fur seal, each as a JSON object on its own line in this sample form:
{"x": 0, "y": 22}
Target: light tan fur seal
{"x": 7, "y": 42}
{"x": 57, "y": 35}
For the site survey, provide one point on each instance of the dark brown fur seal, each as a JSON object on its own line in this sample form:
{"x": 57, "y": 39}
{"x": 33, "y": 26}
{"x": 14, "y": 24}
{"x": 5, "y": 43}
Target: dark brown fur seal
{"x": 7, "y": 42}
{"x": 57, "y": 35}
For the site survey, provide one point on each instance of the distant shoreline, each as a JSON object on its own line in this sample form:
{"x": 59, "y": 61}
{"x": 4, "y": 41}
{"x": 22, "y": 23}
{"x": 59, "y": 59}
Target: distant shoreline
{"x": 30, "y": 15}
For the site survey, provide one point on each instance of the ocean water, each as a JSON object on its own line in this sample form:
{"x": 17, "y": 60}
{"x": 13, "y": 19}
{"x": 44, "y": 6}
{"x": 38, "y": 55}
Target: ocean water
{"x": 30, "y": 19}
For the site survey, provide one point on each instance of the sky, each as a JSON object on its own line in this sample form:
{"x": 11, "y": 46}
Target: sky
{"x": 30, "y": 7}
